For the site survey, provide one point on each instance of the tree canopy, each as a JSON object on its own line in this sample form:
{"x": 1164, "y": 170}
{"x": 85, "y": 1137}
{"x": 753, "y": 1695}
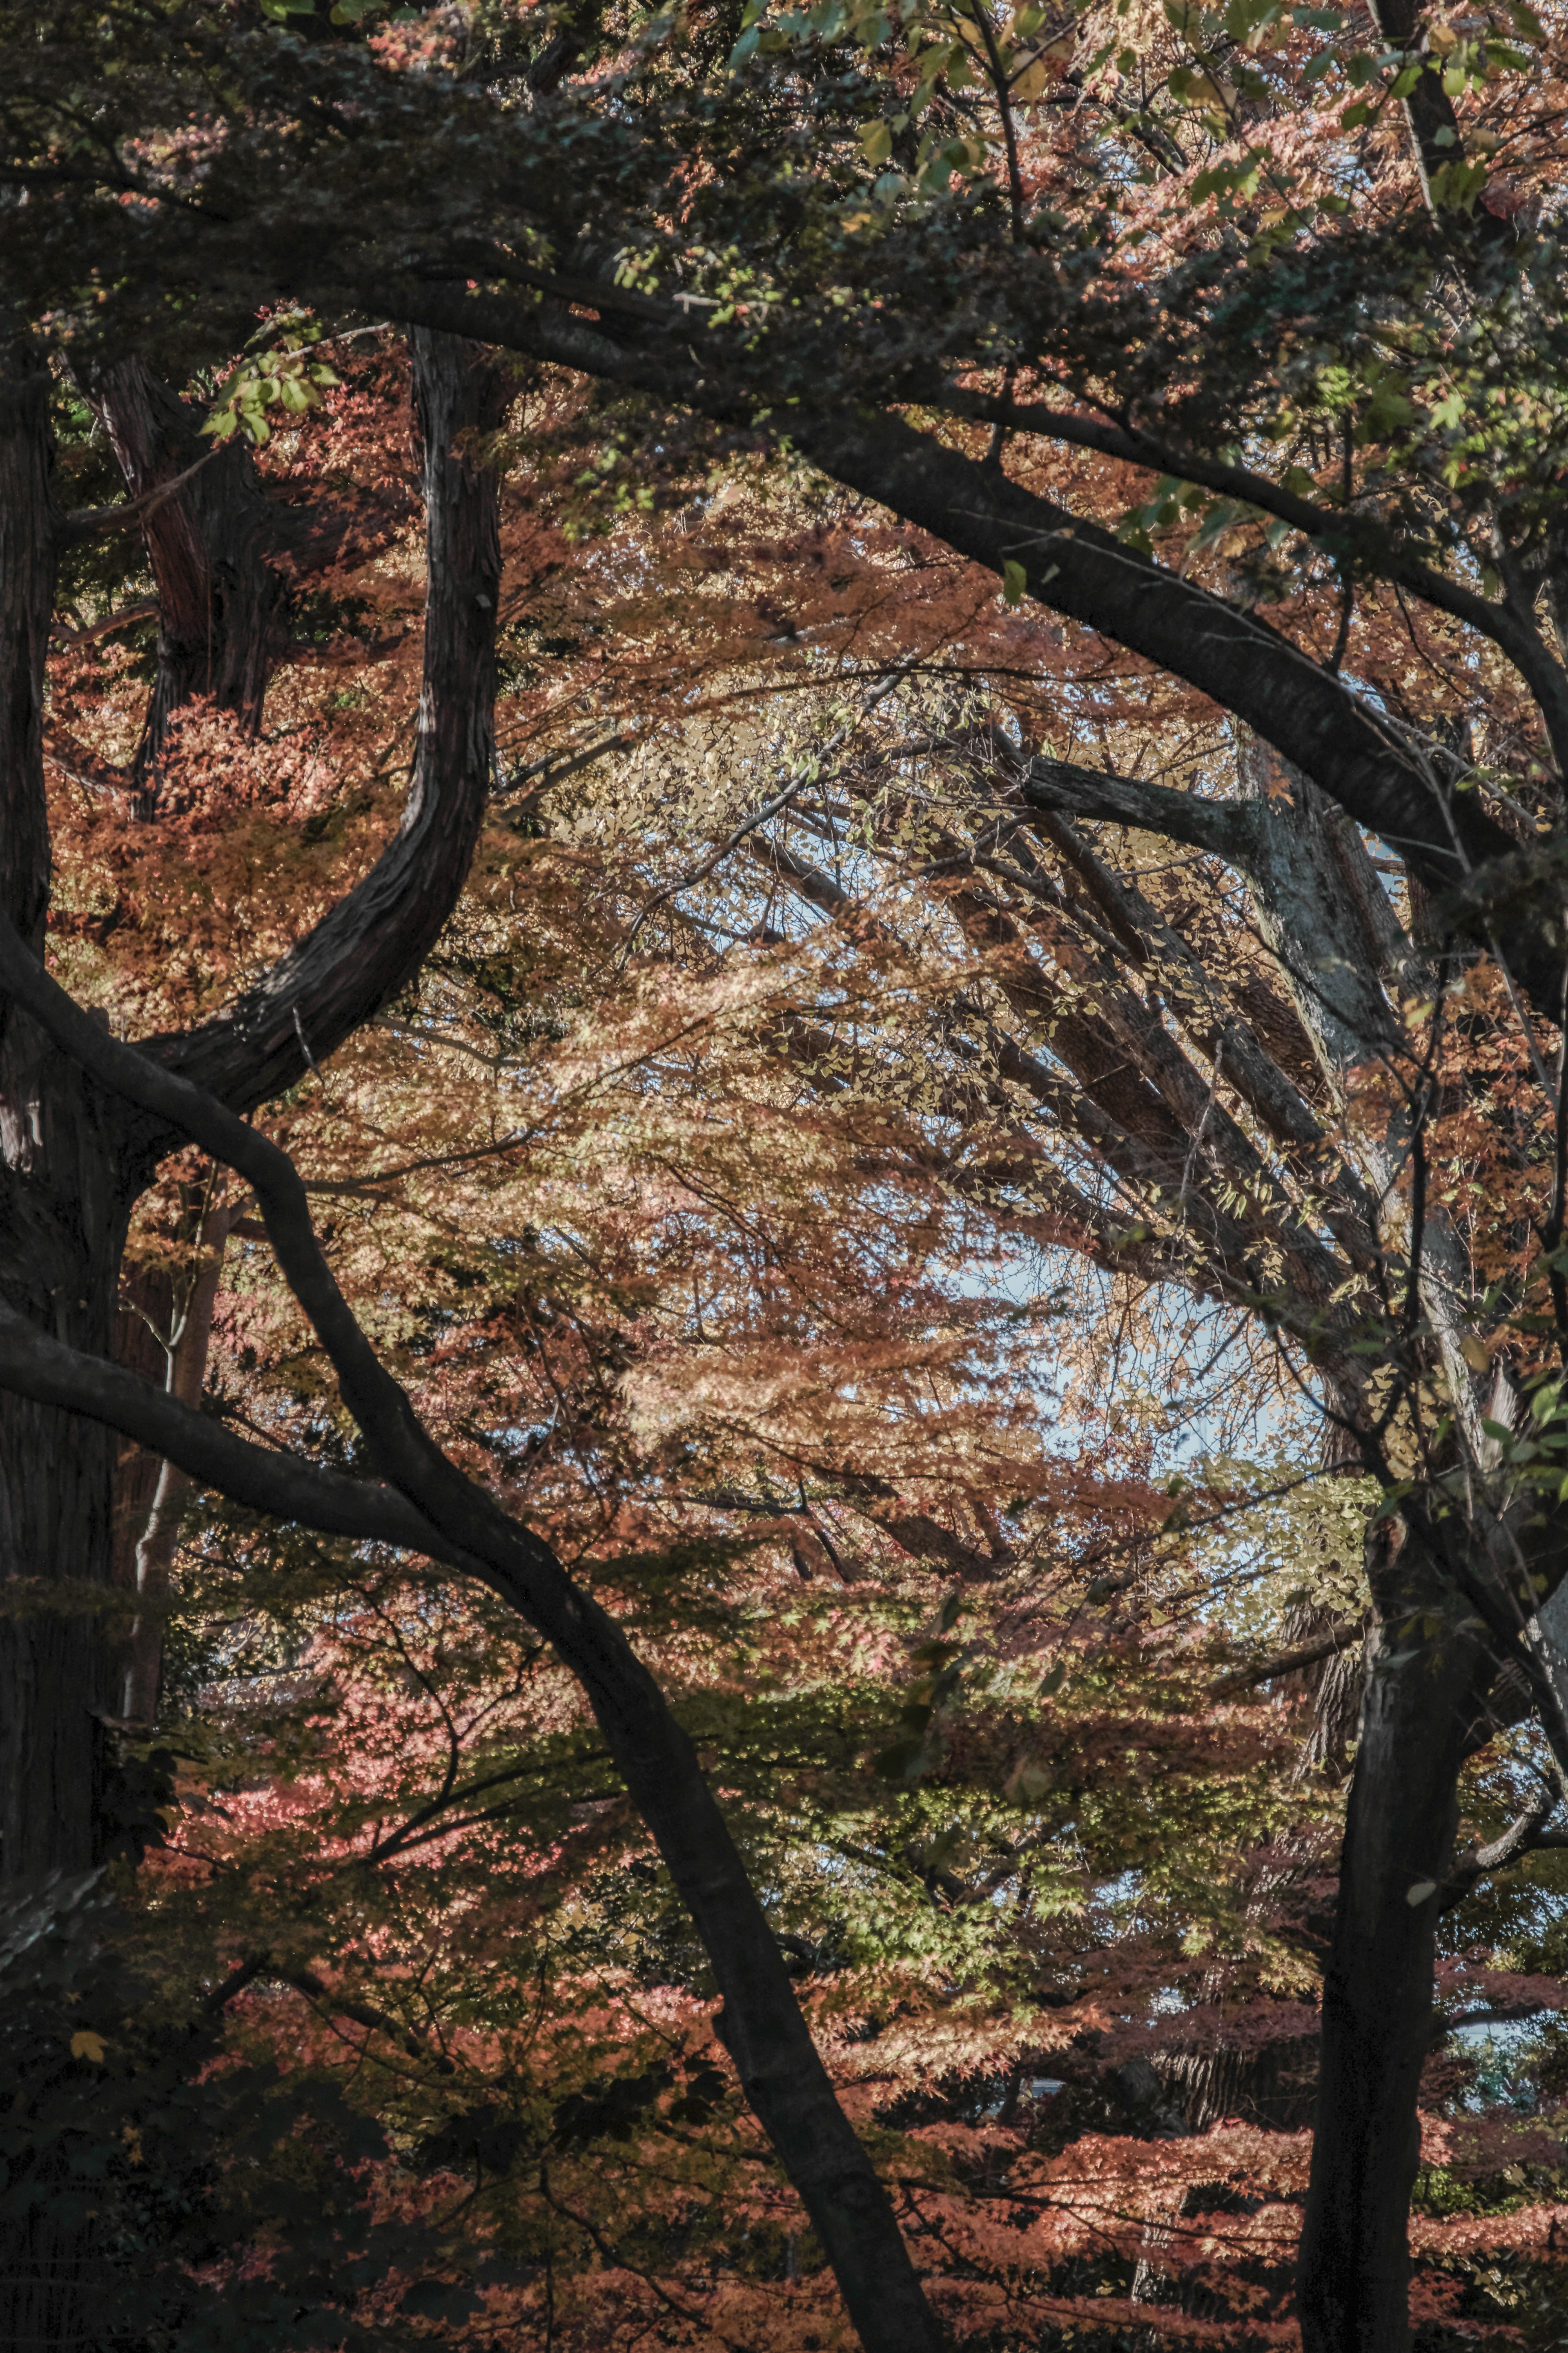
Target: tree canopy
{"x": 786, "y": 1160}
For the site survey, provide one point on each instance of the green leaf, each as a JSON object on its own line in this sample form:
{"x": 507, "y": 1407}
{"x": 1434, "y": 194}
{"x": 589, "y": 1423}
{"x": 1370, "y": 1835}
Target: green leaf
{"x": 1015, "y": 583}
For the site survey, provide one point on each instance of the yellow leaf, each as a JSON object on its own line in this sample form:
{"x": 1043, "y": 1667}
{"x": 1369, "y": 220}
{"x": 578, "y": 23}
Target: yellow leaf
{"x": 1046, "y": 65}
{"x": 85, "y": 2044}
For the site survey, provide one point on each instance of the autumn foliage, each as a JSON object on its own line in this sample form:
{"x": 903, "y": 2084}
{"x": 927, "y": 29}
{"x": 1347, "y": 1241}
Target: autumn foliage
{"x": 679, "y": 1218}
{"x": 926, "y": 1253}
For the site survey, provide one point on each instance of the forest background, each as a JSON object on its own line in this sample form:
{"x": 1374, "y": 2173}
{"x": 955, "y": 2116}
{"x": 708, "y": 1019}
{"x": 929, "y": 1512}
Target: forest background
{"x": 978, "y": 1218}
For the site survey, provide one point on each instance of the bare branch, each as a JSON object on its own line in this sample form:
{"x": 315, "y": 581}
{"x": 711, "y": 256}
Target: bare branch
{"x": 1343, "y": 1636}
{"x": 1522, "y": 1836}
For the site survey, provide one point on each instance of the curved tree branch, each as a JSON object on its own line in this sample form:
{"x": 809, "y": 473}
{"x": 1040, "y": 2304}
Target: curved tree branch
{"x": 376, "y": 937}
{"x": 1304, "y": 711}
{"x": 1339, "y": 530}
{"x": 778, "y": 2063}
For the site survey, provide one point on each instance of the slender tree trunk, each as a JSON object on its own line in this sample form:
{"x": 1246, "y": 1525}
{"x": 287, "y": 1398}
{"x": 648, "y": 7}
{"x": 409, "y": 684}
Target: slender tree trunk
{"x": 64, "y": 1229}
{"x": 1422, "y": 1693}
{"x": 189, "y": 1339}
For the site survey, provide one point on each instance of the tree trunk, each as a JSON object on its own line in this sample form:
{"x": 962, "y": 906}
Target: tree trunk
{"x": 61, "y": 1227}
{"x": 222, "y": 604}
{"x": 62, "y": 1224}
{"x": 1424, "y": 1690}
{"x": 188, "y": 1339}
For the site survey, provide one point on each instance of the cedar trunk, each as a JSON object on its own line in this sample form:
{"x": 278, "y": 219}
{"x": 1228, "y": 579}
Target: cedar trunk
{"x": 59, "y": 1253}
{"x": 62, "y": 1224}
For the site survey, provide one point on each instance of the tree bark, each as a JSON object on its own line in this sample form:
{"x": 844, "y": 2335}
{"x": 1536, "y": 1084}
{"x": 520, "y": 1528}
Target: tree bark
{"x": 63, "y": 1221}
{"x": 1420, "y": 1702}
{"x": 186, "y": 1347}
{"x": 221, "y": 602}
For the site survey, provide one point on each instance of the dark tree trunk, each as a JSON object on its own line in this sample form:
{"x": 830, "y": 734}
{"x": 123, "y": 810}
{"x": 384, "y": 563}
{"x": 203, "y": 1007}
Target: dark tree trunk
{"x": 62, "y": 1222}
{"x": 222, "y": 598}
{"x": 1423, "y": 1691}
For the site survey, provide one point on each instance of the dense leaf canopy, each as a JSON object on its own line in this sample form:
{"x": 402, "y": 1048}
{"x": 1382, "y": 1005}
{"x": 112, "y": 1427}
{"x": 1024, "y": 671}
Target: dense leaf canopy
{"x": 982, "y": 1109}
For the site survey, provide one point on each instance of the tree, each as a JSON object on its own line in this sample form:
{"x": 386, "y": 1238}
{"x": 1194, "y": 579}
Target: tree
{"x": 1355, "y": 473}
{"x": 363, "y": 951}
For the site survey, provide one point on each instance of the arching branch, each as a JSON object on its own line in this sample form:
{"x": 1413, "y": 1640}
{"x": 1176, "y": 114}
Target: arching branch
{"x": 780, "y": 2069}
{"x": 377, "y": 938}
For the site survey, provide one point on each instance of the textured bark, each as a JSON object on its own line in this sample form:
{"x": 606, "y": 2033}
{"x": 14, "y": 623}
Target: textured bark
{"x": 61, "y": 1221}
{"x": 364, "y": 951}
{"x": 56, "y": 1665}
{"x": 63, "y": 1216}
{"x": 1420, "y": 1702}
{"x": 26, "y": 606}
{"x": 222, "y": 621}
